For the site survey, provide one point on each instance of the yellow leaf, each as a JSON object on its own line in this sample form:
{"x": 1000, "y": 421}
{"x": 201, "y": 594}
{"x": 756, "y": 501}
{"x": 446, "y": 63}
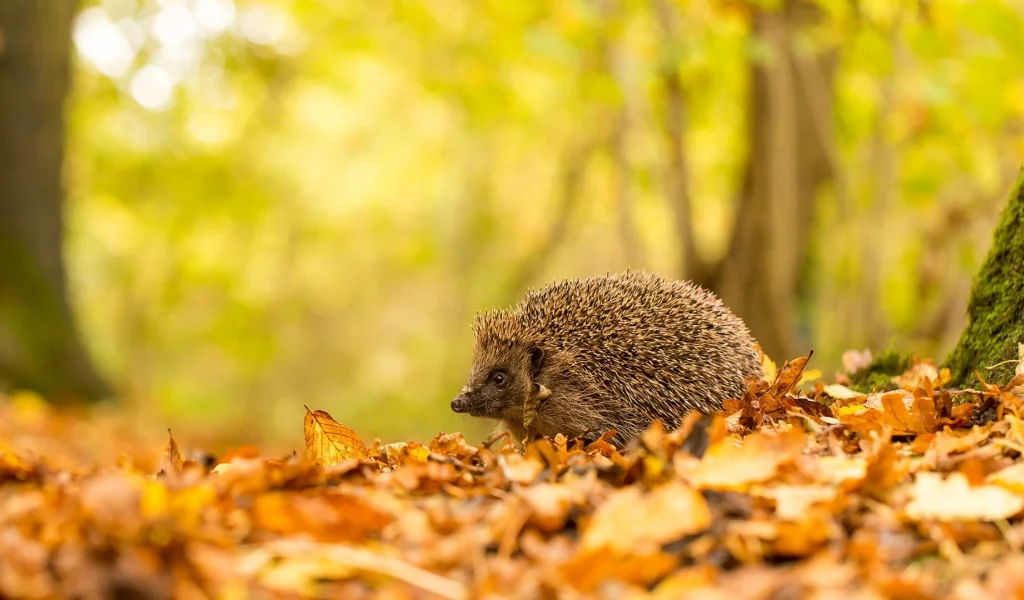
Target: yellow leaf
{"x": 953, "y": 499}
{"x": 631, "y": 521}
{"x": 809, "y": 375}
{"x": 768, "y": 365}
{"x": 850, "y": 409}
{"x": 329, "y": 442}
{"x": 732, "y": 467}
{"x": 155, "y": 500}
{"x": 841, "y": 392}
{"x": 793, "y": 501}
{"x": 1011, "y": 478}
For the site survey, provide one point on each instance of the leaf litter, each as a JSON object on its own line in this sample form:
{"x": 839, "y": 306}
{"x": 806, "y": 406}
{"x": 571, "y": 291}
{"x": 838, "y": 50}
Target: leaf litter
{"x": 797, "y": 489}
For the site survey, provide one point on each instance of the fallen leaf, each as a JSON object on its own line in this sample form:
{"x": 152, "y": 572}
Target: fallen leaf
{"x": 588, "y": 569}
{"x": 793, "y": 501}
{"x": 325, "y": 517}
{"x": 731, "y": 466}
{"x": 788, "y": 376}
{"x": 948, "y": 441}
{"x": 550, "y": 504}
{"x": 329, "y": 442}
{"x": 920, "y": 374}
{"x": 1011, "y": 478}
{"x": 631, "y": 521}
{"x": 954, "y": 499}
{"x": 519, "y": 469}
{"x": 173, "y": 461}
{"x": 537, "y": 395}
{"x": 840, "y": 392}
{"x": 892, "y": 411}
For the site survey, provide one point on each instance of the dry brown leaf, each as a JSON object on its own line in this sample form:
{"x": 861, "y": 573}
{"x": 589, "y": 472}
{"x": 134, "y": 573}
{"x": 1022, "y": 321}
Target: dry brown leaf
{"x": 948, "y": 441}
{"x": 172, "y": 461}
{"x": 537, "y": 395}
{"x": 788, "y": 377}
{"x": 329, "y": 442}
{"x": 893, "y": 412}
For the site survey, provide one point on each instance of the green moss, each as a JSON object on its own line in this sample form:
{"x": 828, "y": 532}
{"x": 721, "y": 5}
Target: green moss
{"x": 996, "y": 308}
{"x": 877, "y": 376}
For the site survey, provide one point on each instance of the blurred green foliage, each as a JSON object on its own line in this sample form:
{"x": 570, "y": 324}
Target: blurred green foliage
{"x": 276, "y": 203}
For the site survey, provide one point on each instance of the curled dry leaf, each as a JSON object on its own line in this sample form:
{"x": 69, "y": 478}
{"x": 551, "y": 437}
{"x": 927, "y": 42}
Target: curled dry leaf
{"x": 173, "y": 462}
{"x": 329, "y": 442}
{"x": 537, "y": 395}
{"x": 788, "y": 376}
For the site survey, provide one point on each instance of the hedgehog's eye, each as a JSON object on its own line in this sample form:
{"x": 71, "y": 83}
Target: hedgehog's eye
{"x": 499, "y": 378}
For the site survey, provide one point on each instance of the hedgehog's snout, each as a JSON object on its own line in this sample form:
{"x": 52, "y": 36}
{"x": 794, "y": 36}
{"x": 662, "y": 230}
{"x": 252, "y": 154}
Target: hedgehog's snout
{"x": 461, "y": 402}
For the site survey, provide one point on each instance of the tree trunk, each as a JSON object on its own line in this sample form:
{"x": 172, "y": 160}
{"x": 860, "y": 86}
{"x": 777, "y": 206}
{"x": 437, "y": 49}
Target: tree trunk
{"x": 996, "y": 307}
{"x": 790, "y": 112}
{"x": 40, "y": 347}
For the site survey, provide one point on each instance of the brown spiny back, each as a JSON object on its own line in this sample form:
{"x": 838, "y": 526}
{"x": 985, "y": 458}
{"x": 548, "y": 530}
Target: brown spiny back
{"x": 623, "y": 350}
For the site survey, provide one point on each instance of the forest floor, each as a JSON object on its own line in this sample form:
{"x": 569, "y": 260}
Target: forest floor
{"x": 799, "y": 489}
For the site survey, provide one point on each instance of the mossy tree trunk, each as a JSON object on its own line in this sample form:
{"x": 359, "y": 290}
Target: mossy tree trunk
{"x": 40, "y": 347}
{"x": 996, "y": 308}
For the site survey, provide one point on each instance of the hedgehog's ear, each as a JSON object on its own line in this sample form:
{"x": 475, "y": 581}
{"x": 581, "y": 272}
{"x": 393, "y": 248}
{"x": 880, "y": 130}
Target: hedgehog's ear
{"x": 536, "y": 360}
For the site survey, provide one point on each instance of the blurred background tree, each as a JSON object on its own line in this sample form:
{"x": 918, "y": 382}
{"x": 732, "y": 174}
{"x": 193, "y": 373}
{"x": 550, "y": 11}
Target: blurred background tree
{"x": 275, "y": 203}
{"x": 40, "y": 345}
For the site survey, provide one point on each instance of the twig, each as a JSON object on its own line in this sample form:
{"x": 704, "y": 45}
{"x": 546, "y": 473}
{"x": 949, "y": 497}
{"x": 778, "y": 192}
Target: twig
{"x": 1005, "y": 362}
{"x": 372, "y": 562}
{"x": 434, "y": 456}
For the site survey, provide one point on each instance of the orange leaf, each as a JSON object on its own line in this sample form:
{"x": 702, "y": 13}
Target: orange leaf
{"x": 918, "y": 418}
{"x": 329, "y": 442}
{"x": 788, "y": 376}
{"x": 325, "y": 517}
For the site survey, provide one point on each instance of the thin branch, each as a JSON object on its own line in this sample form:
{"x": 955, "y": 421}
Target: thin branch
{"x": 372, "y": 562}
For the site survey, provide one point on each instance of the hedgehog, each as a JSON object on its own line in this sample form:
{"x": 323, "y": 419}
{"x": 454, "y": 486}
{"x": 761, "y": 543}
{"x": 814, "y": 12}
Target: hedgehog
{"x": 583, "y": 357}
